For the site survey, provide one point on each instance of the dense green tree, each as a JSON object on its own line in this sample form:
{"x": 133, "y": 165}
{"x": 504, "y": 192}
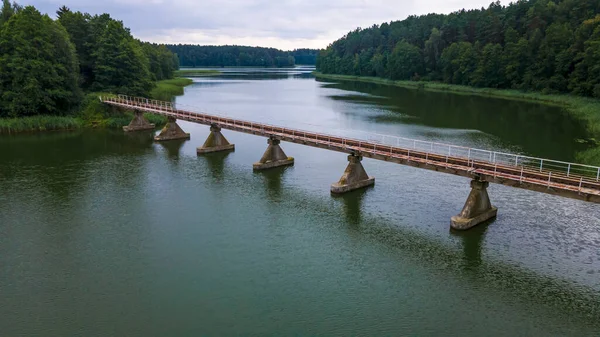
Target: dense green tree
{"x": 162, "y": 62}
{"x": 38, "y": 65}
{"x": 459, "y": 62}
{"x": 44, "y": 64}
{"x": 8, "y": 10}
{"x": 226, "y": 56}
{"x": 490, "y": 70}
{"x": 120, "y": 63}
{"x": 378, "y": 63}
{"x": 545, "y": 45}
{"x": 78, "y": 26}
{"x": 405, "y": 61}
{"x": 433, "y": 51}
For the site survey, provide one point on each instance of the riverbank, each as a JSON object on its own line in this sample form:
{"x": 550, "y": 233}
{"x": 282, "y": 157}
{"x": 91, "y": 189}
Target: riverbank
{"x": 167, "y": 89}
{"x": 94, "y": 114}
{"x": 585, "y": 109}
{"x": 197, "y": 72}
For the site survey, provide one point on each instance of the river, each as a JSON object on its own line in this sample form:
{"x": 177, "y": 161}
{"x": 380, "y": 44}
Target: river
{"x": 110, "y": 234}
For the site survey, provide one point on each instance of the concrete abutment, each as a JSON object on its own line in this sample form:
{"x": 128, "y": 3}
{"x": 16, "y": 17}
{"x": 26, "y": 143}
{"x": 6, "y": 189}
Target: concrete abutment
{"x": 354, "y": 177}
{"x": 273, "y": 156}
{"x": 478, "y": 207}
{"x": 172, "y": 131}
{"x": 139, "y": 123}
{"x": 215, "y": 142}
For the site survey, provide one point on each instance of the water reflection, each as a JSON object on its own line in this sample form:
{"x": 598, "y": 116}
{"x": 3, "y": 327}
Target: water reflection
{"x": 273, "y": 179}
{"x": 143, "y": 138}
{"x": 539, "y": 130}
{"x": 173, "y": 147}
{"x": 471, "y": 242}
{"x": 353, "y": 205}
{"x": 216, "y": 163}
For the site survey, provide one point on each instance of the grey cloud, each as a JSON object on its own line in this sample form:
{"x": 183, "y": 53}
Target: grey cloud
{"x": 283, "y": 24}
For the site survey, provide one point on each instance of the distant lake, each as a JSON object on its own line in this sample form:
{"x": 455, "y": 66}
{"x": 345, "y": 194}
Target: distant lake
{"x": 104, "y": 233}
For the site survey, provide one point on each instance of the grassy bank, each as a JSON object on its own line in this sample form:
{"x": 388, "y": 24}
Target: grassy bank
{"x": 196, "y": 72}
{"x": 165, "y": 90}
{"x": 585, "y": 109}
{"x": 93, "y": 113}
{"x": 38, "y": 123}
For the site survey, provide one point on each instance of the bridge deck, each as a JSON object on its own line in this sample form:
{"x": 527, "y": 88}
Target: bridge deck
{"x": 541, "y": 175}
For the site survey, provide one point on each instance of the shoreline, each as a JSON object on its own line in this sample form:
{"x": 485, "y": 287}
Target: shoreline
{"x": 587, "y": 110}
{"x": 90, "y": 114}
{"x": 509, "y": 94}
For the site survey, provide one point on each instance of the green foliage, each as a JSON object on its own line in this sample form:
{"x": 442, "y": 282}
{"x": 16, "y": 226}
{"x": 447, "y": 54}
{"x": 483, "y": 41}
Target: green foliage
{"x": 405, "y": 61}
{"x": 93, "y": 110}
{"x": 240, "y": 56}
{"x": 38, "y": 123}
{"x": 44, "y": 64}
{"x": 38, "y": 65}
{"x": 196, "y": 72}
{"x": 111, "y": 59}
{"x": 7, "y": 11}
{"x": 120, "y": 64}
{"x": 163, "y": 63}
{"x": 165, "y": 90}
{"x": 541, "y": 45}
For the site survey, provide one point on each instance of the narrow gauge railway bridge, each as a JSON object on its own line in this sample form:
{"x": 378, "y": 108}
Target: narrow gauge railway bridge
{"x": 564, "y": 179}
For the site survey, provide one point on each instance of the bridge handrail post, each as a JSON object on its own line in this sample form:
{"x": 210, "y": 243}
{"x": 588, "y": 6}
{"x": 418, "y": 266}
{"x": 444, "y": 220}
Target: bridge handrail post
{"x": 521, "y": 178}
{"x": 549, "y": 178}
{"x": 580, "y": 183}
{"x": 541, "y": 165}
{"x": 569, "y": 170}
{"x": 598, "y": 175}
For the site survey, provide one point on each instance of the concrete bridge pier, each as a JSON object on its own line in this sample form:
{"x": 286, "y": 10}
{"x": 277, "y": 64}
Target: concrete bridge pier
{"x": 215, "y": 142}
{"x": 478, "y": 207}
{"x": 139, "y": 123}
{"x": 273, "y": 156}
{"x": 172, "y": 131}
{"x": 354, "y": 177}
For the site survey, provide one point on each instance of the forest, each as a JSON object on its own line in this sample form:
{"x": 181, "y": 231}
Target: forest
{"x": 531, "y": 45}
{"x": 47, "y": 66}
{"x": 241, "y": 56}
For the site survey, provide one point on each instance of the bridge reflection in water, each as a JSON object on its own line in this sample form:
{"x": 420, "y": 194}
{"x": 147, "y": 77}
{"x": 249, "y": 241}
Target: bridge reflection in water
{"x": 568, "y": 180}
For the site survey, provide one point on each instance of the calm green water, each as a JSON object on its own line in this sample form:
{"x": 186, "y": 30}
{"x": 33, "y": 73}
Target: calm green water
{"x": 110, "y": 234}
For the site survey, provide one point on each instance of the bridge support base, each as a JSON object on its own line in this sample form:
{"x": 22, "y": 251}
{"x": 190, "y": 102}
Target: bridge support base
{"x": 354, "y": 177}
{"x": 478, "y": 207}
{"x": 172, "y": 131}
{"x": 273, "y": 157}
{"x": 215, "y": 142}
{"x": 138, "y": 123}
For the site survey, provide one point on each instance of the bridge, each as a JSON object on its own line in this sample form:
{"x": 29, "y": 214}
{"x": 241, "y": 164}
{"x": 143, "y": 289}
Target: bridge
{"x": 560, "y": 178}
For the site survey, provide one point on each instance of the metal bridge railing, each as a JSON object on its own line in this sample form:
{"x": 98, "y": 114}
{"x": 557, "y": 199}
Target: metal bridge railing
{"x": 553, "y": 168}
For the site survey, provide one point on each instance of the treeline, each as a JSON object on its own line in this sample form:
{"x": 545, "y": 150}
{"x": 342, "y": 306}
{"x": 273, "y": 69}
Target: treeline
{"x": 541, "y": 45}
{"x": 240, "y": 56}
{"x": 47, "y": 65}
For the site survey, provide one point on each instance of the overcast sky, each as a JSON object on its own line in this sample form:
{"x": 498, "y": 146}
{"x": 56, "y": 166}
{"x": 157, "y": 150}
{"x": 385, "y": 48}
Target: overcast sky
{"x": 284, "y": 24}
